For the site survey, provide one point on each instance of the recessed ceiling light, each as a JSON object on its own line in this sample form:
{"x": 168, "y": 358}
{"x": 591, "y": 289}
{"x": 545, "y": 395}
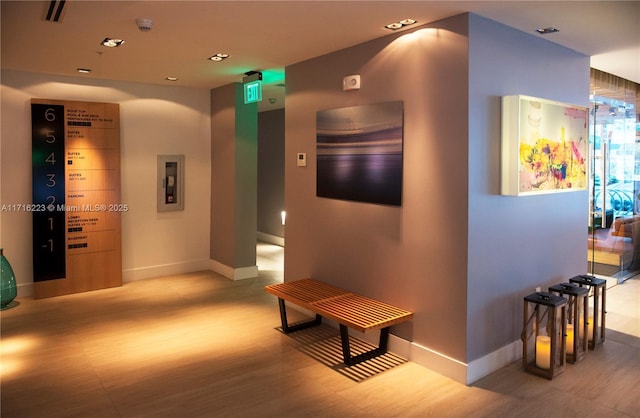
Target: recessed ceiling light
{"x": 112, "y": 42}
{"x": 144, "y": 24}
{"x": 219, "y": 57}
{"x": 171, "y": 78}
{"x": 400, "y": 24}
{"x": 84, "y": 70}
{"x": 545, "y": 31}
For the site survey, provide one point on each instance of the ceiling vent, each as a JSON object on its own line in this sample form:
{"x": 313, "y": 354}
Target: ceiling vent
{"x": 54, "y": 11}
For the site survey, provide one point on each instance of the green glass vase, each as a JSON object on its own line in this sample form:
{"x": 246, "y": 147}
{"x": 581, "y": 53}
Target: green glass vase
{"x": 8, "y": 290}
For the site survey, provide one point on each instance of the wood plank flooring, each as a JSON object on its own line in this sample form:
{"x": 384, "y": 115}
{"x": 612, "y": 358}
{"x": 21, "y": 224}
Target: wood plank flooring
{"x": 199, "y": 345}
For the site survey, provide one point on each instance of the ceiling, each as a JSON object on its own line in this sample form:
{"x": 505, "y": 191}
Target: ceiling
{"x": 269, "y": 35}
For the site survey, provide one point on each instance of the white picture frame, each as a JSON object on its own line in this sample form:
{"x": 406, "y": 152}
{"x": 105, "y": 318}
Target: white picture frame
{"x": 545, "y": 146}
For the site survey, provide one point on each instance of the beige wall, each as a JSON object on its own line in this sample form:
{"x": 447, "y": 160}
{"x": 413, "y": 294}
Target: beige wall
{"x": 414, "y": 255}
{"x": 234, "y": 166}
{"x": 154, "y": 120}
{"x": 223, "y": 155}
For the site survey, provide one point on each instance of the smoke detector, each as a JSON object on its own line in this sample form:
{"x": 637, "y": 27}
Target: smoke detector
{"x": 144, "y": 24}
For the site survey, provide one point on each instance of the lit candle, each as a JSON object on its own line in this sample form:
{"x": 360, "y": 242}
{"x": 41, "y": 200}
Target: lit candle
{"x": 569, "y": 338}
{"x": 590, "y": 329}
{"x": 543, "y": 352}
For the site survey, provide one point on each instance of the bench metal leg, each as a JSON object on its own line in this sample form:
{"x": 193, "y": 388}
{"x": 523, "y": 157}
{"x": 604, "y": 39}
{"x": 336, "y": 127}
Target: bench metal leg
{"x": 292, "y": 328}
{"x": 346, "y": 347}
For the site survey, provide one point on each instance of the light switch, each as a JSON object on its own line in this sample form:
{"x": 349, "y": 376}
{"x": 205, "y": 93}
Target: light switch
{"x": 302, "y": 159}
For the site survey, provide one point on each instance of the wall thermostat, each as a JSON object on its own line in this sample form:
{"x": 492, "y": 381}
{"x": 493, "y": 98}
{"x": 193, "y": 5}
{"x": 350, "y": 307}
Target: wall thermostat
{"x": 302, "y": 159}
{"x": 351, "y": 82}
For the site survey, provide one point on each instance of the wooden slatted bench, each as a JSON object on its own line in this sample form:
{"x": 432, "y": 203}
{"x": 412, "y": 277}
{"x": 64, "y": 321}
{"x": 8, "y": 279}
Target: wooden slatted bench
{"x": 348, "y": 309}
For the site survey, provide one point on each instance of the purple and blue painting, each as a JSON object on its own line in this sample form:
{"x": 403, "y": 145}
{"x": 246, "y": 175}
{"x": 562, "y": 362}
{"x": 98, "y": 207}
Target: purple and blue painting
{"x": 359, "y": 153}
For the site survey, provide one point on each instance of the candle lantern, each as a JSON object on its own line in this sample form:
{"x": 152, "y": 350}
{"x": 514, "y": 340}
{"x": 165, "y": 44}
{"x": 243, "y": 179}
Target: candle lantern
{"x": 543, "y": 343}
{"x": 576, "y": 335}
{"x": 596, "y": 319}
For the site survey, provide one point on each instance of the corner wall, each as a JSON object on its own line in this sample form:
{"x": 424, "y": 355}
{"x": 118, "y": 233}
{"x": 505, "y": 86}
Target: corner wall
{"x": 234, "y": 166}
{"x": 153, "y": 120}
{"x": 413, "y": 256}
{"x": 456, "y": 253}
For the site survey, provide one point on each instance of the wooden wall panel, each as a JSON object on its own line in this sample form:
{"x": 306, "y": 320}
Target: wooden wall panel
{"x": 91, "y": 206}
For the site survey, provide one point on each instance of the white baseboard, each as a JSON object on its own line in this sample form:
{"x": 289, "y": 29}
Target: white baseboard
{"x": 270, "y": 239}
{"x": 493, "y": 361}
{"x": 140, "y": 273}
{"x": 465, "y": 373}
{"x": 149, "y": 272}
{"x": 24, "y": 290}
{"x": 233, "y": 273}
{"x": 439, "y": 363}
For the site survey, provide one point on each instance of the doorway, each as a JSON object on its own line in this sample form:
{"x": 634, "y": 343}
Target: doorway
{"x": 270, "y": 260}
{"x": 614, "y": 140}
{"x": 270, "y": 199}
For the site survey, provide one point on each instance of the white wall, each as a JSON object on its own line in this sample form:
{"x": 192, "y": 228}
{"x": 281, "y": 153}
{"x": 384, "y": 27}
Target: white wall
{"x": 515, "y": 243}
{"x": 153, "y": 120}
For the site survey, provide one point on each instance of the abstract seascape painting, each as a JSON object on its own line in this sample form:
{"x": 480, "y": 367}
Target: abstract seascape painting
{"x": 359, "y": 153}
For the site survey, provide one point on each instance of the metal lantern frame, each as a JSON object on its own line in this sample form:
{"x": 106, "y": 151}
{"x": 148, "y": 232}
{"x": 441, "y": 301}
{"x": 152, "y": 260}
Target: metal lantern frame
{"x": 577, "y": 317}
{"x": 544, "y": 313}
{"x": 598, "y": 291}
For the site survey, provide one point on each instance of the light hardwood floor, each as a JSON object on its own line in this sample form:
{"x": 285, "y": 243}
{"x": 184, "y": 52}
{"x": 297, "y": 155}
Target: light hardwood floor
{"x": 199, "y": 345}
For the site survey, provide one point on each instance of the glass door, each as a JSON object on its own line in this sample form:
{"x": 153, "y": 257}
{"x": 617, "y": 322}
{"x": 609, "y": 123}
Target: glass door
{"x": 614, "y": 136}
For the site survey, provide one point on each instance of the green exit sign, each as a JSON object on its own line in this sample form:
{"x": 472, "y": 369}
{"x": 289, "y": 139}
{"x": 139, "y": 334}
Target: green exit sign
{"x": 253, "y": 92}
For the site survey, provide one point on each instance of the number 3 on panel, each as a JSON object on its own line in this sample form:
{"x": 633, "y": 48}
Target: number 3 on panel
{"x": 52, "y": 181}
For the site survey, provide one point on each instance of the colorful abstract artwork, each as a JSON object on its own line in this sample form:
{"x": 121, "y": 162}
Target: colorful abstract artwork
{"x": 359, "y": 153}
{"x": 544, "y": 146}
